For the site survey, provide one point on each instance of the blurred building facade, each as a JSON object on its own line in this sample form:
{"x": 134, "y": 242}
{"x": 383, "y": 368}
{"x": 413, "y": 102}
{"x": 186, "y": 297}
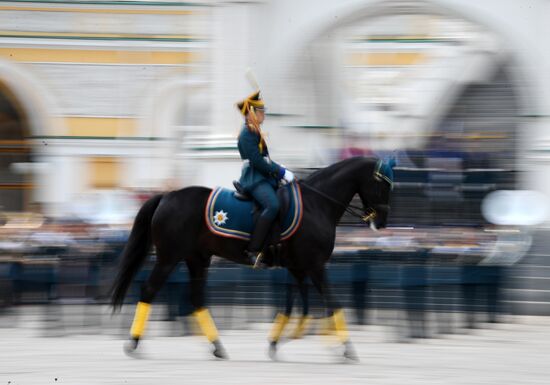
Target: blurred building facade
{"x": 140, "y": 94}
{"x": 90, "y": 91}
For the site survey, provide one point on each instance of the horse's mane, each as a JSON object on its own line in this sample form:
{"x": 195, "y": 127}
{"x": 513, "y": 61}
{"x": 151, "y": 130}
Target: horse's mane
{"x": 323, "y": 173}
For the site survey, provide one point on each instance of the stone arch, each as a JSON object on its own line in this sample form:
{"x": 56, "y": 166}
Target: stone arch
{"x": 15, "y": 150}
{"x": 32, "y": 98}
{"x": 176, "y": 111}
{"x": 505, "y": 57}
{"x": 33, "y": 112}
{"x": 165, "y": 101}
{"x": 338, "y": 15}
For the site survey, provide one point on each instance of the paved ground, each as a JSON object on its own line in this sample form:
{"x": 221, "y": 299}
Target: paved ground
{"x": 514, "y": 353}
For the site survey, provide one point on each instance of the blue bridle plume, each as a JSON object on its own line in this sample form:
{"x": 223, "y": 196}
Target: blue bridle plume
{"x": 384, "y": 170}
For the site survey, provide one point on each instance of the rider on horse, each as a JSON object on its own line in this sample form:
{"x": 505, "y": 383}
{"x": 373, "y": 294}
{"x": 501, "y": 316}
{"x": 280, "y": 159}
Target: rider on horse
{"x": 260, "y": 175}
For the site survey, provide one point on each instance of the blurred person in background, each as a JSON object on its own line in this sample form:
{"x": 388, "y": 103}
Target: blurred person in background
{"x": 354, "y": 146}
{"x": 260, "y": 175}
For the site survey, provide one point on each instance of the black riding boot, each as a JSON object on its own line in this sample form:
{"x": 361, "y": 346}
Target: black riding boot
{"x": 254, "y": 252}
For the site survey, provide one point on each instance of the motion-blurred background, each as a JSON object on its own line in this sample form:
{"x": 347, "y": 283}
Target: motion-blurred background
{"x": 103, "y": 103}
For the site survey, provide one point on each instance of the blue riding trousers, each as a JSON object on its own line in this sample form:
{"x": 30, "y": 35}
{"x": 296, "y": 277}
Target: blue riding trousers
{"x": 266, "y": 196}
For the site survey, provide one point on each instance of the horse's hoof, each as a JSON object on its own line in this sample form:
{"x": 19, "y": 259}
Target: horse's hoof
{"x": 130, "y": 347}
{"x": 219, "y": 351}
{"x": 272, "y": 352}
{"x": 349, "y": 353}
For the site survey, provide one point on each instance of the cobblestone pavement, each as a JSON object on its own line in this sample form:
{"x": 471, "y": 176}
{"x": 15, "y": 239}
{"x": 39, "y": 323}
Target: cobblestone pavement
{"x": 512, "y": 353}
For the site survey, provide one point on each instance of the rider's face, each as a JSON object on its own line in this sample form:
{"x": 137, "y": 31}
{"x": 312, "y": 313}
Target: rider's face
{"x": 260, "y": 116}
{"x": 256, "y": 118}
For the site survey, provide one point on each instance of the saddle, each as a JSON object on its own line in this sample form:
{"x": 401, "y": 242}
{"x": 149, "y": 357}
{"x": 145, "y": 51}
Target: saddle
{"x": 273, "y": 241}
{"x": 240, "y": 192}
{"x": 233, "y": 214}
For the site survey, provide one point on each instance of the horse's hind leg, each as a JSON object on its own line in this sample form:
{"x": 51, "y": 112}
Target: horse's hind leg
{"x": 198, "y": 267}
{"x": 319, "y": 279}
{"x": 162, "y": 269}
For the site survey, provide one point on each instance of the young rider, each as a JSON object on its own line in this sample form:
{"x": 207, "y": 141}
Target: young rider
{"x": 260, "y": 175}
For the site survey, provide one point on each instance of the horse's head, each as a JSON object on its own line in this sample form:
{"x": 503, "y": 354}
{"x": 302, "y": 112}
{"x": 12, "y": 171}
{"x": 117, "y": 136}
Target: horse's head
{"x": 375, "y": 194}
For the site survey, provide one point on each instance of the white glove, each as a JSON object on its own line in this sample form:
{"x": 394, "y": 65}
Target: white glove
{"x": 289, "y": 176}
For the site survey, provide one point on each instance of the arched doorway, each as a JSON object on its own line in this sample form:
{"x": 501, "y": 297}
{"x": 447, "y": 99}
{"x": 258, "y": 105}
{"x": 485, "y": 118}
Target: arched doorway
{"x": 440, "y": 88}
{"x": 396, "y": 76}
{"x": 14, "y": 150}
{"x": 483, "y": 123}
{"x": 178, "y": 115}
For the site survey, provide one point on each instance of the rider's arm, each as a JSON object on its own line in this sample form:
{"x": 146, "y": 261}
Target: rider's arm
{"x": 252, "y": 153}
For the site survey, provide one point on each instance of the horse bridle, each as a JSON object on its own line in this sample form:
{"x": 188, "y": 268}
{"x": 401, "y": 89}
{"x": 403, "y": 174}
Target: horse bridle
{"x": 366, "y": 215}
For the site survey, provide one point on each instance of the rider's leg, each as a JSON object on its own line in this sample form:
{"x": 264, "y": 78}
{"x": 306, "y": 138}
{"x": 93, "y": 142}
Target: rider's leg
{"x": 265, "y": 195}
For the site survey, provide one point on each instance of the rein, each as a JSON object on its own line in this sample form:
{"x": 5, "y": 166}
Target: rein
{"x": 351, "y": 209}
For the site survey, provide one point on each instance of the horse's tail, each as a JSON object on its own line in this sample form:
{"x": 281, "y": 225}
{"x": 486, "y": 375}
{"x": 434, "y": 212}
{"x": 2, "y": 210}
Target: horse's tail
{"x": 135, "y": 251}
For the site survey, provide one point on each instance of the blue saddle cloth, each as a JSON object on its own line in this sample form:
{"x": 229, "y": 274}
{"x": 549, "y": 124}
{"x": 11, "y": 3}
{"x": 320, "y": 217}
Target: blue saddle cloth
{"x": 230, "y": 217}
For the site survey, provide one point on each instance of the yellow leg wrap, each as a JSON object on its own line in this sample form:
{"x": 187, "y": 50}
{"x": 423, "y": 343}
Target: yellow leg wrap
{"x": 301, "y": 327}
{"x": 278, "y": 326}
{"x": 140, "y": 319}
{"x": 206, "y": 323}
{"x": 340, "y": 325}
{"x": 326, "y": 326}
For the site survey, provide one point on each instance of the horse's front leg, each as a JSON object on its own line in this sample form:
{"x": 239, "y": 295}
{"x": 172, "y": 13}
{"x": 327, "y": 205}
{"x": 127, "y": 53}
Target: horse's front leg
{"x": 197, "y": 272}
{"x": 282, "y": 318}
{"x": 304, "y": 320}
{"x": 319, "y": 279}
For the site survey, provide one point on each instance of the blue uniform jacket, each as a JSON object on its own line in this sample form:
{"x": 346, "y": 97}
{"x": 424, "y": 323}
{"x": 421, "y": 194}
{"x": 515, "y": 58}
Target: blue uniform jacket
{"x": 257, "y": 167}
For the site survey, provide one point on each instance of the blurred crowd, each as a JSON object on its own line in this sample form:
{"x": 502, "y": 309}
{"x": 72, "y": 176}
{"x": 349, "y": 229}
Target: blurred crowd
{"x": 427, "y": 279}
{"x": 440, "y": 266}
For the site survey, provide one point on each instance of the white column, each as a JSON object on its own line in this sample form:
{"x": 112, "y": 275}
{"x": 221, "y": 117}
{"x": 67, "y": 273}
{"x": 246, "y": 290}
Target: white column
{"x": 231, "y": 56}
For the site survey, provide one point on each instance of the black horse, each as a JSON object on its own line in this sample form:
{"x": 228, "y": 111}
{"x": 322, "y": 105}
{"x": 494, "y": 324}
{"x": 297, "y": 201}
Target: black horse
{"x": 174, "y": 223}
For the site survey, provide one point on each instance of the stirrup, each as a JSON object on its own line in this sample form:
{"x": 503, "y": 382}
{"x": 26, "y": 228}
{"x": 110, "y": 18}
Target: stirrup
{"x": 258, "y": 264}
{"x": 255, "y": 259}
